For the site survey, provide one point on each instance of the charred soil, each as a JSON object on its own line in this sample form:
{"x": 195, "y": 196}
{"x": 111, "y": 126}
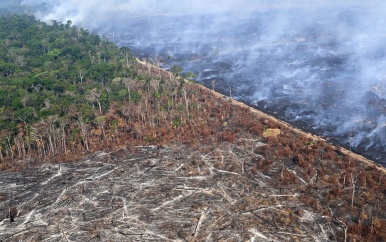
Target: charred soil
{"x": 192, "y": 166}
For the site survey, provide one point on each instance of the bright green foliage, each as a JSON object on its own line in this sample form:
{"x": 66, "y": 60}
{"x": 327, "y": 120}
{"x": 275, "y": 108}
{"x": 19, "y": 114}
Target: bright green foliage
{"x": 176, "y": 70}
{"x": 189, "y": 75}
{"x": 47, "y": 69}
{"x": 65, "y": 91}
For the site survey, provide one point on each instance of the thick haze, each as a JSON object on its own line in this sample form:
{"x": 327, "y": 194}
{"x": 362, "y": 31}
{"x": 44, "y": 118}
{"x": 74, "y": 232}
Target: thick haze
{"x": 322, "y": 64}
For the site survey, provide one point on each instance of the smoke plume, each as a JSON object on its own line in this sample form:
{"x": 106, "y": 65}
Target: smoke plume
{"x": 319, "y": 64}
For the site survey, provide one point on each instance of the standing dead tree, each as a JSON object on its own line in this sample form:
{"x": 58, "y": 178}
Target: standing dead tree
{"x": 354, "y": 179}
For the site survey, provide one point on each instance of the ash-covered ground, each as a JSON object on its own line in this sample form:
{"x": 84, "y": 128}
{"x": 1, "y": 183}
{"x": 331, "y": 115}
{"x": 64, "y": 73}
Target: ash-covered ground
{"x": 173, "y": 193}
{"x": 320, "y": 68}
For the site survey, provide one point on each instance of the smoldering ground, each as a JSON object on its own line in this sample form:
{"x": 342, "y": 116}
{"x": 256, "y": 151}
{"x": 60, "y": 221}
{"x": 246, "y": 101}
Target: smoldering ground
{"x": 319, "y": 64}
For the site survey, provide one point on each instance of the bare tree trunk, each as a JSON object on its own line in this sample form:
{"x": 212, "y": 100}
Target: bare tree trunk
{"x": 380, "y": 178}
{"x": 39, "y": 144}
{"x": 51, "y": 146}
{"x": 1, "y": 154}
{"x": 353, "y": 183}
{"x": 10, "y": 147}
{"x": 81, "y": 74}
{"x": 28, "y": 137}
{"x": 84, "y": 129}
{"x": 100, "y": 107}
{"x": 64, "y": 142}
{"x": 185, "y": 94}
{"x": 17, "y": 146}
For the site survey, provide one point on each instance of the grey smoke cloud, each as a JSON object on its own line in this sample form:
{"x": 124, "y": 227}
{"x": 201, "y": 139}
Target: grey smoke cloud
{"x": 88, "y": 11}
{"x": 322, "y": 61}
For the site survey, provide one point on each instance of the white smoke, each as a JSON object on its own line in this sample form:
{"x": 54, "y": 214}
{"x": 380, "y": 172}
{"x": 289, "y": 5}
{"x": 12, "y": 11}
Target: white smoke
{"x": 90, "y": 11}
{"x": 326, "y": 58}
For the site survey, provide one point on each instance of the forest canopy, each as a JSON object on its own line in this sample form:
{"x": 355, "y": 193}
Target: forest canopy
{"x": 65, "y": 91}
{"x": 55, "y": 71}
{"x": 46, "y": 68}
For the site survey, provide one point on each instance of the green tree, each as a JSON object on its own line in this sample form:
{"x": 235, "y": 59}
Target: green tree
{"x": 176, "y": 70}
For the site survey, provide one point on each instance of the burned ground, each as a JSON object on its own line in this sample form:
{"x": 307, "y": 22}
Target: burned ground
{"x": 207, "y": 169}
{"x": 174, "y": 193}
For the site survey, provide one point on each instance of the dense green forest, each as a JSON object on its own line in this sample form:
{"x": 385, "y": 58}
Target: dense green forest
{"x": 45, "y": 69}
{"x": 58, "y": 82}
{"x": 66, "y": 92}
